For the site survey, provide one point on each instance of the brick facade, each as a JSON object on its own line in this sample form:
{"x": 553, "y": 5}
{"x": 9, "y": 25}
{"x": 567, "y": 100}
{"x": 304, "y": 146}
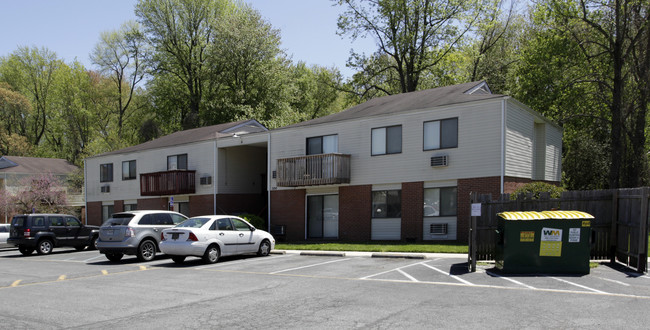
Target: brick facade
{"x": 355, "y": 212}
{"x": 412, "y": 211}
{"x": 94, "y": 210}
{"x": 288, "y": 209}
{"x": 160, "y": 203}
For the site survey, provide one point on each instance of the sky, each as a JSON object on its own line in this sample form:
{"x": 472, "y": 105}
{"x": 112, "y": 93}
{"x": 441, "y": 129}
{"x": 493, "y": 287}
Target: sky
{"x": 71, "y": 28}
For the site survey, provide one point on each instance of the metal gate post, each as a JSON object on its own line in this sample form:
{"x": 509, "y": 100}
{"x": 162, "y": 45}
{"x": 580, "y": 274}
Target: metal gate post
{"x": 642, "y": 263}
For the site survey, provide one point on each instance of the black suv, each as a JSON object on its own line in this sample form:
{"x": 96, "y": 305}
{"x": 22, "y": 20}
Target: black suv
{"x": 43, "y": 232}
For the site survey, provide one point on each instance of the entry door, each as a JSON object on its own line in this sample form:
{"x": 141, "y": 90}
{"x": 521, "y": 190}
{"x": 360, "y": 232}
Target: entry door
{"x": 323, "y": 216}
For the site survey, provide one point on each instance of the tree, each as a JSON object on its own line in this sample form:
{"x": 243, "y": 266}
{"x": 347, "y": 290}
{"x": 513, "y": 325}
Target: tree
{"x": 42, "y": 193}
{"x": 14, "y": 110}
{"x": 413, "y": 37}
{"x": 120, "y": 55}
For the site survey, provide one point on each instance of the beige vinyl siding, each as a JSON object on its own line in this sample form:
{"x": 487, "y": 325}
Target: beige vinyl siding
{"x": 386, "y": 229}
{"x": 553, "y": 153}
{"x": 477, "y": 154}
{"x": 519, "y": 142}
{"x": 240, "y": 170}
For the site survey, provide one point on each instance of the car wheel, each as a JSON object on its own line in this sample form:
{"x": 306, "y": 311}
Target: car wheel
{"x": 265, "y": 249}
{"x": 115, "y": 257}
{"x": 93, "y": 244}
{"x": 178, "y": 259}
{"x": 211, "y": 254}
{"x": 147, "y": 250}
{"x": 25, "y": 251}
{"x": 44, "y": 246}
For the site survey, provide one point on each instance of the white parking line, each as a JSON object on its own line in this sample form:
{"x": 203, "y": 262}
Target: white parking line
{"x": 237, "y": 262}
{"x": 448, "y": 274}
{"x": 314, "y": 265}
{"x": 407, "y": 275}
{"x": 388, "y": 271}
{"x": 613, "y": 281}
{"x": 509, "y": 279}
{"x": 93, "y": 258}
{"x": 578, "y": 285}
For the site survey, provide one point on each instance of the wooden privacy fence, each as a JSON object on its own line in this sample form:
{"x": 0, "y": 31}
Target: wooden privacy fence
{"x": 619, "y": 229}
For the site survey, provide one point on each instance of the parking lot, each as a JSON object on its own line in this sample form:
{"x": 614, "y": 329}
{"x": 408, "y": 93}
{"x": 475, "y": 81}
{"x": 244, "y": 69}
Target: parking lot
{"x": 69, "y": 289}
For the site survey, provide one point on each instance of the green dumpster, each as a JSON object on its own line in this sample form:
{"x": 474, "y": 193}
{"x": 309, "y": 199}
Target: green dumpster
{"x": 543, "y": 242}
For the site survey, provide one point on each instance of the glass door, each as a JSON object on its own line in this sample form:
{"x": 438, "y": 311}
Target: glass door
{"x": 323, "y": 216}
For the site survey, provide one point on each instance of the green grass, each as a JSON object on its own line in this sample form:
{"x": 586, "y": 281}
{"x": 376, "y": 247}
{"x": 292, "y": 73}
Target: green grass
{"x": 374, "y": 247}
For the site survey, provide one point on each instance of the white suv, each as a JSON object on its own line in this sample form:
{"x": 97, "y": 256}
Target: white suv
{"x": 135, "y": 233}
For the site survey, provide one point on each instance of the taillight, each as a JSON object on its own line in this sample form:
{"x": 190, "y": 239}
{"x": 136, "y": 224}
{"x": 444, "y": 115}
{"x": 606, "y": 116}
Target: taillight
{"x": 192, "y": 237}
{"x": 129, "y": 232}
{"x": 27, "y": 232}
{"x": 162, "y": 237}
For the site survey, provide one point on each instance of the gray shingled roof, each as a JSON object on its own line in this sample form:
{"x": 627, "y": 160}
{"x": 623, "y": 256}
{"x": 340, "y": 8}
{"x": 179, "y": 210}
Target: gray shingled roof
{"x": 29, "y": 165}
{"x": 405, "y": 102}
{"x": 181, "y": 137}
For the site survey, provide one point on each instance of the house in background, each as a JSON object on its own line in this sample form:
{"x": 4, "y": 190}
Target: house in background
{"x": 13, "y": 169}
{"x": 399, "y": 167}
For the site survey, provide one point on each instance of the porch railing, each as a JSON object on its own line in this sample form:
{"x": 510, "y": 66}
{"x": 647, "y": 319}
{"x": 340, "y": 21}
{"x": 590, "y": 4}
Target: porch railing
{"x": 313, "y": 170}
{"x": 167, "y": 183}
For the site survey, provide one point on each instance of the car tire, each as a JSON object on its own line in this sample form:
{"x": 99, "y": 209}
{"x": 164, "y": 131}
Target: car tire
{"x": 211, "y": 254}
{"x": 80, "y": 247}
{"x": 44, "y": 246}
{"x": 146, "y": 250}
{"x": 178, "y": 259}
{"x": 93, "y": 244}
{"x": 25, "y": 251}
{"x": 265, "y": 248}
{"x": 115, "y": 257}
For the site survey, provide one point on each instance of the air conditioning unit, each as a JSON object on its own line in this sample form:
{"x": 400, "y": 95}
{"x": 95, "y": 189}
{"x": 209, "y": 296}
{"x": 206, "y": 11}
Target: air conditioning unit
{"x": 438, "y": 229}
{"x": 442, "y": 160}
{"x": 106, "y": 189}
{"x": 206, "y": 180}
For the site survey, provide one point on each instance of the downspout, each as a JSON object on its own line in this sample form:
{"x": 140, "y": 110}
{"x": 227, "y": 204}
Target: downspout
{"x": 503, "y": 143}
{"x": 269, "y": 175}
{"x": 85, "y": 193}
{"x": 214, "y": 175}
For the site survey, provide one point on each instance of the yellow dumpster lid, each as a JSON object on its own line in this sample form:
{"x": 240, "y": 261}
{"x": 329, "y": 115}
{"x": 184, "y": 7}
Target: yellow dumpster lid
{"x": 568, "y": 215}
{"x": 533, "y": 215}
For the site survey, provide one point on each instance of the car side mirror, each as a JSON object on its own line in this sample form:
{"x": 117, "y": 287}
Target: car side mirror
{"x": 252, "y": 228}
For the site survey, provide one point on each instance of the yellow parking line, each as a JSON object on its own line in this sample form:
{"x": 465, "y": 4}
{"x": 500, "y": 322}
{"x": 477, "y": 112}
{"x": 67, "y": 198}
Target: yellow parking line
{"x": 61, "y": 278}
{"x": 104, "y": 272}
{"x": 143, "y": 267}
{"x": 15, "y": 283}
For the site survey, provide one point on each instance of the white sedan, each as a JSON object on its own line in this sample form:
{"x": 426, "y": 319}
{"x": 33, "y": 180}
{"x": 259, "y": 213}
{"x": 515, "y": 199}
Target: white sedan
{"x": 214, "y": 236}
{"x": 4, "y": 234}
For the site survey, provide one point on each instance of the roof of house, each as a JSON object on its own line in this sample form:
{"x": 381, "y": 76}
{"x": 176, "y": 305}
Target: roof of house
{"x": 441, "y": 96}
{"x": 33, "y": 165}
{"x": 194, "y": 135}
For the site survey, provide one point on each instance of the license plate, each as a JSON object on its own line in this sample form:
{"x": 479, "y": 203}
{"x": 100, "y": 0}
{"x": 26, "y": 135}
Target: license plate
{"x": 175, "y": 236}
{"x": 109, "y": 232}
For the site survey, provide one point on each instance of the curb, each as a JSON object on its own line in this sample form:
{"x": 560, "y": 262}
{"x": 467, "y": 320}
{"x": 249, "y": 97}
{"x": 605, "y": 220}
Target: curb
{"x": 398, "y": 255}
{"x": 323, "y": 254}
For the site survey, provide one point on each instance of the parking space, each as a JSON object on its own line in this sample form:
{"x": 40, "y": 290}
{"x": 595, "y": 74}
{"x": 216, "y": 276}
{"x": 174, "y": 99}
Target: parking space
{"x": 66, "y": 264}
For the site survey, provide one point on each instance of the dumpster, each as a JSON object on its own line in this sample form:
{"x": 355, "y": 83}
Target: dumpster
{"x": 543, "y": 242}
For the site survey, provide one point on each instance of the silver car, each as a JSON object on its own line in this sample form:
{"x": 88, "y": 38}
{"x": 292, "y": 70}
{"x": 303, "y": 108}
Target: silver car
{"x": 135, "y": 233}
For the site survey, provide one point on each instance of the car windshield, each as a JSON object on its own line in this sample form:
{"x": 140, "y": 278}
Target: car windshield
{"x": 194, "y": 222}
{"x": 119, "y": 220}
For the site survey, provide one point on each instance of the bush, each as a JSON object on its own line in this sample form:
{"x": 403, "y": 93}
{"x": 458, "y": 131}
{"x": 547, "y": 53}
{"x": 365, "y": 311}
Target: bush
{"x": 254, "y": 220}
{"x": 536, "y": 188}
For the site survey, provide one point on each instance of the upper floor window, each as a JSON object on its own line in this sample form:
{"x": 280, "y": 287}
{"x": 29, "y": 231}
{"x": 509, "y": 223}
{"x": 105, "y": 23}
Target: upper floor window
{"x": 387, "y": 204}
{"x": 177, "y": 162}
{"x": 387, "y": 140}
{"x": 441, "y": 134}
{"x": 106, "y": 172}
{"x": 440, "y": 201}
{"x": 322, "y": 144}
{"x": 128, "y": 170}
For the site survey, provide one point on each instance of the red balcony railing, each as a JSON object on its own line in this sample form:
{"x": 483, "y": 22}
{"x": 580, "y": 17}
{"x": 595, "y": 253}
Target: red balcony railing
{"x": 313, "y": 170}
{"x": 167, "y": 183}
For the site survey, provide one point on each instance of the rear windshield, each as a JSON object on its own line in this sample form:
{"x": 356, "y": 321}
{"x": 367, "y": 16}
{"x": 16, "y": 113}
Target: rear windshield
{"x": 119, "y": 220}
{"x": 18, "y": 221}
{"x": 194, "y": 222}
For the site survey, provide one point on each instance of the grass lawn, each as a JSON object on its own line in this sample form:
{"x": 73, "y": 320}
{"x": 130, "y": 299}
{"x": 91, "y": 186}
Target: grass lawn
{"x": 374, "y": 247}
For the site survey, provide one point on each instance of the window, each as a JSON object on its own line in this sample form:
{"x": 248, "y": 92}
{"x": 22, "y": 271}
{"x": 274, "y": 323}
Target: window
{"x": 128, "y": 170}
{"x": 130, "y": 207}
{"x": 183, "y": 208}
{"x": 106, "y": 172}
{"x": 240, "y": 225}
{"x": 72, "y": 222}
{"x": 440, "y": 202}
{"x": 107, "y": 211}
{"x": 56, "y": 221}
{"x": 441, "y": 134}
{"x": 387, "y": 204}
{"x": 322, "y": 144}
{"x": 177, "y": 162}
{"x": 223, "y": 224}
{"x": 387, "y": 140}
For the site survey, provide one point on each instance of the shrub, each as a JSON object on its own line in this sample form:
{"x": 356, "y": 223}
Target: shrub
{"x": 538, "y": 187}
{"x": 254, "y": 220}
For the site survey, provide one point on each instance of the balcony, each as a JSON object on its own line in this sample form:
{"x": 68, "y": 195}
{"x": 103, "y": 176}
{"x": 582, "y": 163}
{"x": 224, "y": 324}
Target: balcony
{"x": 313, "y": 170}
{"x": 167, "y": 183}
